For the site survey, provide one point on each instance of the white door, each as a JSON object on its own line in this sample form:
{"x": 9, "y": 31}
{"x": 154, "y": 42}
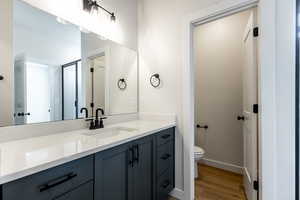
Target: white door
{"x": 98, "y": 64}
{"x": 69, "y": 92}
{"x": 249, "y": 99}
{"x": 20, "y": 92}
{"x": 37, "y": 93}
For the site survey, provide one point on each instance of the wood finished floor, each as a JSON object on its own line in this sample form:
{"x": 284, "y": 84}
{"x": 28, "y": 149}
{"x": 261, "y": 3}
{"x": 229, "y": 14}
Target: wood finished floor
{"x": 217, "y": 184}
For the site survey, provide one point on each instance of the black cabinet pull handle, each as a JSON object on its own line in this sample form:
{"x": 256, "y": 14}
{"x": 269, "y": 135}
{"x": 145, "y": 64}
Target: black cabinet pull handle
{"x": 57, "y": 182}
{"x": 165, "y": 157}
{"x": 136, "y": 153}
{"x": 165, "y": 136}
{"x": 131, "y": 156}
{"x": 1, "y": 77}
{"x": 166, "y": 184}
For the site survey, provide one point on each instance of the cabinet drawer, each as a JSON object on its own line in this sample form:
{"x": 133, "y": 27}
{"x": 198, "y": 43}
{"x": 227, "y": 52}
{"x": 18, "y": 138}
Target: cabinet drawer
{"x": 165, "y": 136}
{"x": 165, "y": 185}
{"x": 50, "y": 183}
{"x": 165, "y": 157}
{"x": 84, "y": 192}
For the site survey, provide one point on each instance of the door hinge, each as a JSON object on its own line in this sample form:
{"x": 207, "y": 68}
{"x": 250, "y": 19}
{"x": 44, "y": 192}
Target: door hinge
{"x": 92, "y": 69}
{"x": 256, "y": 32}
{"x": 255, "y": 108}
{"x": 255, "y": 185}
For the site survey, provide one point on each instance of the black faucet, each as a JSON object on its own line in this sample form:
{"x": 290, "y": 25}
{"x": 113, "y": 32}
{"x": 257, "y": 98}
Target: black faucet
{"x": 99, "y": 123}
{"x": 92, "y": 123}
{"x": 96, "y": 123}
{"x": 86, "y": 112}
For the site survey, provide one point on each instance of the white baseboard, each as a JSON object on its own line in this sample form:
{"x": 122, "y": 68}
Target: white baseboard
{"x": 246, "y": 174}
{"x": 177, "y": 193}
{"x": 222, "y": 165}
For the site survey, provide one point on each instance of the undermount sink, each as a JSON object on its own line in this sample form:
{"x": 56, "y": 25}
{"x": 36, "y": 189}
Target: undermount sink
{"x": 110, "y": 132}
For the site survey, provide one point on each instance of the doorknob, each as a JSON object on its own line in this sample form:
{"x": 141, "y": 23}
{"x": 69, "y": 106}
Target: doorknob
{"x": 205, "y": 126}
{"x": 241, "y": 118}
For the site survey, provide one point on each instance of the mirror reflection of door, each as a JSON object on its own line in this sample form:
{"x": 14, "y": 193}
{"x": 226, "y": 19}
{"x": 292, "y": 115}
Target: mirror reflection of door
{"x": 98, "y": 63}
{"x": 71, "y": 90}
{"x": 32, "y": 91}
{"x": 20, "y": 92}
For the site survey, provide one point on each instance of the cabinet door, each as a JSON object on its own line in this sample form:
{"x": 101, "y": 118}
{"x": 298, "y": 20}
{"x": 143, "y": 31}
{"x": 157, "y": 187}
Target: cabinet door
{"x": 111, "y": 174}
{"x": 84, "y": 192}
{"x": 143, "y": 169}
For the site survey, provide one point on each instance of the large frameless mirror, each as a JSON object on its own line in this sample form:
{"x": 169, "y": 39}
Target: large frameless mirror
{"x": 59, "y": 68}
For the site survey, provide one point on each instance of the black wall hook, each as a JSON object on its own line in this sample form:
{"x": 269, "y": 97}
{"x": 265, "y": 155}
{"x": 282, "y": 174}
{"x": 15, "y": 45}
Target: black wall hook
{"x": 155, "y": 80}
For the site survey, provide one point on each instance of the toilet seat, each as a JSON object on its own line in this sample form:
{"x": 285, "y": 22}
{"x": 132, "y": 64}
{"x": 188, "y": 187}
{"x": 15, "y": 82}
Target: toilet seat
{"x": 198, "y": 153}
{"x": 198, "y": 150}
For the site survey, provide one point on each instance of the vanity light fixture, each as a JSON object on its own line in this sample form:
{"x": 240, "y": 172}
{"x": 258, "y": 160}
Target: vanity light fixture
{"x": 91, "y": 5}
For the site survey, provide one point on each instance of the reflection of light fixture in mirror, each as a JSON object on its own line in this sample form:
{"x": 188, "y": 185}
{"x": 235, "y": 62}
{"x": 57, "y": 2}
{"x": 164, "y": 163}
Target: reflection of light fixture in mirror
{"x": 92, "y": 5}
{"x": 62, "y": 21}
{"x": 84, "y": 30}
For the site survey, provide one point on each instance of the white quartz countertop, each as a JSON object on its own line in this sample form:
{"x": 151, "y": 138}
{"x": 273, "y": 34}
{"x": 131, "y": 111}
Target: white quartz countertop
{"x": 25, "y": 157}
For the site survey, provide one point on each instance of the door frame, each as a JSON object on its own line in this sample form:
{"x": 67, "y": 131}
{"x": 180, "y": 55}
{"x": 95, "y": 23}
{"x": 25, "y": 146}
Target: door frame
{"x": 270, "y": 95}
{"x": 76, "y": 87}
{"x": 87, "y": 58}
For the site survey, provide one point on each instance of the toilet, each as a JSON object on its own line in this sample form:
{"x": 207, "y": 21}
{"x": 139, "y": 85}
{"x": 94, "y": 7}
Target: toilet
{"x": 198, "y": 155}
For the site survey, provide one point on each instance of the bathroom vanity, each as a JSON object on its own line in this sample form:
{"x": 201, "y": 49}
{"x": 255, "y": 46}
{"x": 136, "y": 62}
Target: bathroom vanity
{"x": 58, "y": 77}
{"x": 116, "y": 163}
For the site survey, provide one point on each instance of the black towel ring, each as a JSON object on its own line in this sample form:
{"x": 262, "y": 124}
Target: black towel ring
{"x": 155, "y": 80}
{"x": 122, "y": 85}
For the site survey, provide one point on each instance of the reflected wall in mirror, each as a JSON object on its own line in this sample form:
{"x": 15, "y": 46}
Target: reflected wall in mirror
{"x": 59, "y": 68}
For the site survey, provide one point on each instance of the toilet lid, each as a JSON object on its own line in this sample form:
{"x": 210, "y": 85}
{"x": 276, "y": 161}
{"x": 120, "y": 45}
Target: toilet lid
{"x": 198, "y": 150}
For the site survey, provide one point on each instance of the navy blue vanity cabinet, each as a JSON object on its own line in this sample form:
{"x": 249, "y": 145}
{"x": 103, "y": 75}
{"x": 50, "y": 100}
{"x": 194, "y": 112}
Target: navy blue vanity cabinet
{"x": 142, "y": 171}
{"x": 126, "y": 172}
{"x": 111, "y": 173}
{"x": 54, "y": 183}
{"x": 165, "y": 163}
{"x": 84, "y": 192}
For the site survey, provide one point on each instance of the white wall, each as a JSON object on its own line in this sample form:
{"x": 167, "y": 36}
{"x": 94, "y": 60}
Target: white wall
{"x": 219, "y": 60}
{"x": 160, "y": 47}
